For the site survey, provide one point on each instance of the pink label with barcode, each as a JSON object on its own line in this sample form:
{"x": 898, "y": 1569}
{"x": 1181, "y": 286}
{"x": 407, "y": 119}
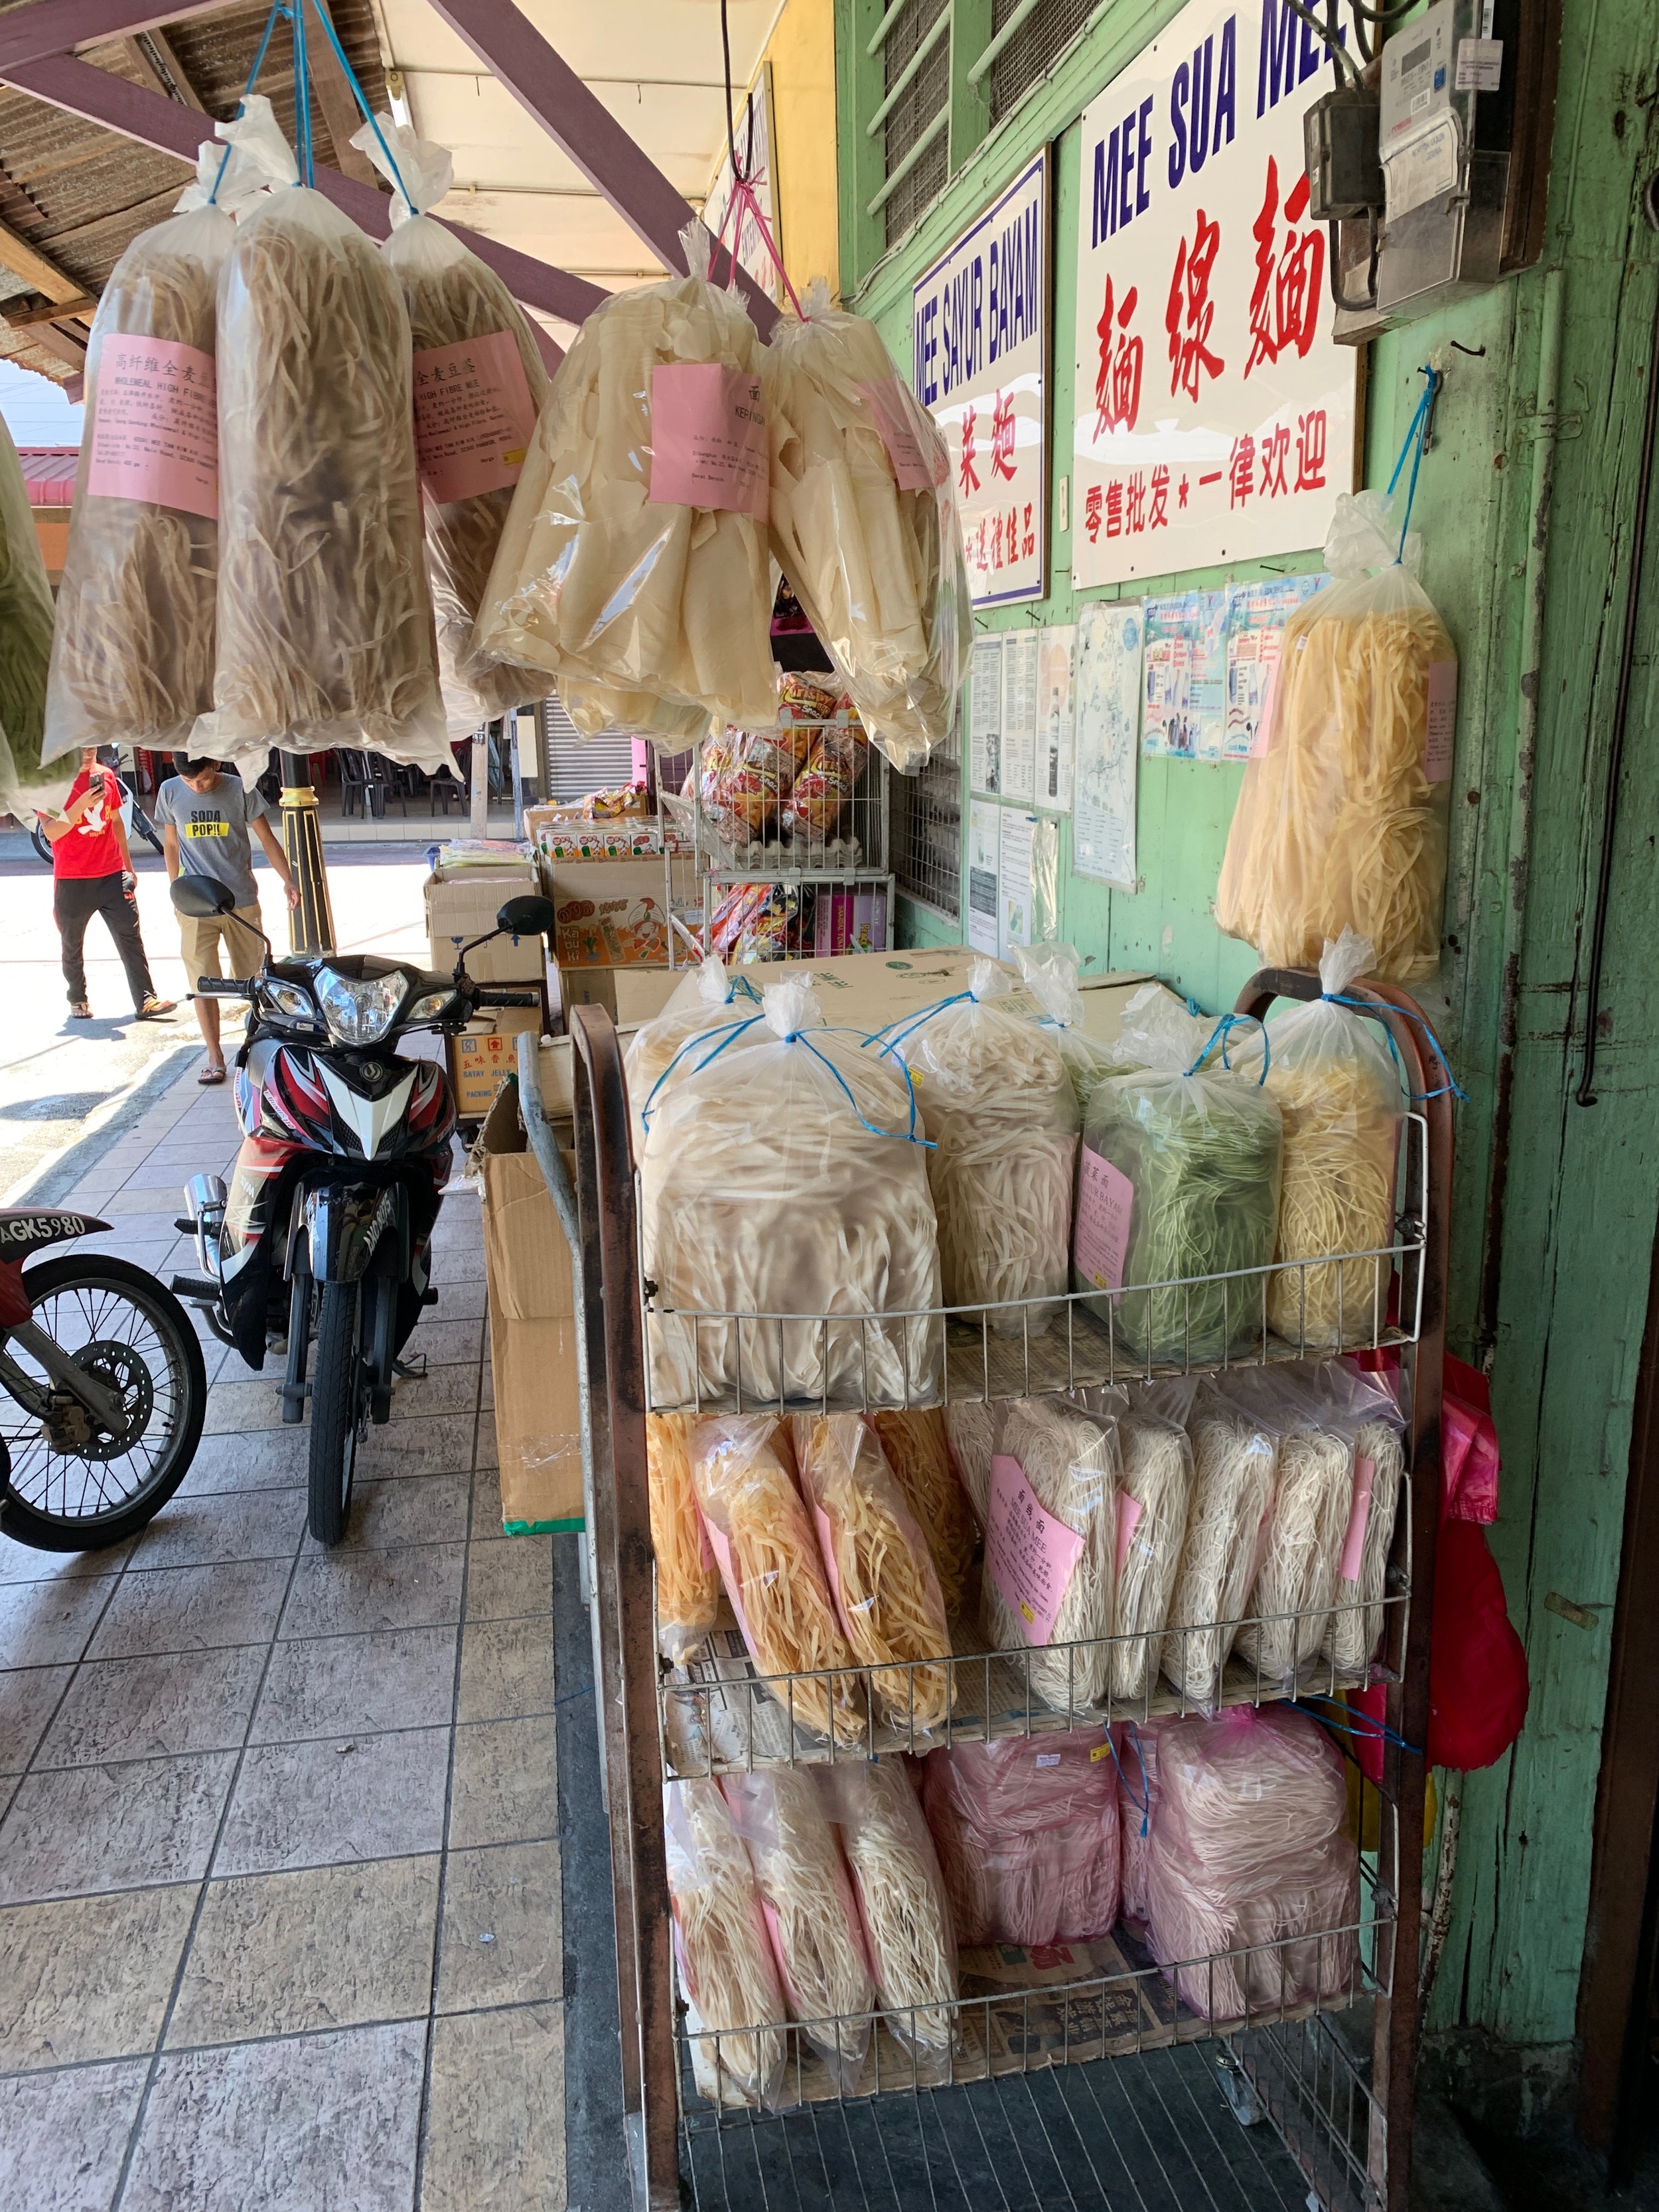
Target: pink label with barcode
{"x": 900, "y": 434}
{"x": 1030, "y": 1555}
{"x": 1105, "y": 1209}
{"x": 474, "y": 417}
{"x": 155, "y": 431}
{"x": 1441, "y": 721}
{"x": 1360, "y": 1514}
{"x": 1129, "y": 1510}
{"x": 709, "y": 438}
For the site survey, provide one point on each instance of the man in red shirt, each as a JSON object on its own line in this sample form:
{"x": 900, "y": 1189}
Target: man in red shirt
{"x": 91, "y": 873}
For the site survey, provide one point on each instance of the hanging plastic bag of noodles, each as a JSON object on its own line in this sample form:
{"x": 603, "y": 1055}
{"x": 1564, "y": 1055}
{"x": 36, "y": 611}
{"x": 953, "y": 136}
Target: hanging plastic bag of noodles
{"x": 1001, "y": 1114}
{"x": 688, "y": 1579}
{"x": 812, "y": 1913}
{"x": 1154, "y": 1494}
{"x": 1301, "y": 1545}
{"x": 663, "y": 1049}
{"x": 480, "y": 386}
{"x": 1341, "y": 819}
{"x": 1364, "y": 1407}
{"x": 735, "y": 2013}
{"x": 633, "y": 560}
{"x": 865, "y": 526}
{"x": 1234, "y": 1460}
{"x": 768, "y": 1553}
{"x": 323, "y": 621}
{"x": 1026, "y": 1831}
{"x": 1137, "y": 1805}
{"x": 1049, "y": 973}
{"x": 1050, "y": 1542}
{"x": 1250, "y": 1855}
{"x": 1178, "y": 1183}
{"x": 788, "y": 1178}
{"x": 25, "y": 646}
{"x": 918, "y": 1448}
{"x": 901, "y": 1893}
{"x": 880, "y": 1574}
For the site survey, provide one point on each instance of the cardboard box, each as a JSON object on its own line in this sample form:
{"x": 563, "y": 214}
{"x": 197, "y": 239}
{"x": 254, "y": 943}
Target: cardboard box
{"x": 557, "y": 1060}
{"x": 484, "y": 1054}
{"x": 462, "y": 903}
{"x": 642, "y": 992}
{"x": 611, "y": 913}
{"x": 533, "y": 1333}
{"x": 589, "y": 986}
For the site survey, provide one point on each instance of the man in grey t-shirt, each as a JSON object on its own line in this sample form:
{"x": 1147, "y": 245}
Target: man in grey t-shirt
{"x": 205, "y": 817}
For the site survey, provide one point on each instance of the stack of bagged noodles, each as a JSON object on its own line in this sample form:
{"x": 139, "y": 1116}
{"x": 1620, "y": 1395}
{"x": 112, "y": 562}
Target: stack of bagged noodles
{"x": 1249, "y": 1854}
{"x": 687, "y": 1580}
{"x": 1234, "y": 1460}
{"x": 1154, "y": 1495}
{"x": 1179, "y": 1179}
{"x": 787, "y": 1179}
{"x": 454, "y": 299}
{"x": 665, "y": 1050}
{"x": 972, "y": 1426}
{"x": 728, "y": 1974}
{"x": 1301, "y": 1546}
{"x": 1026, "y": 1829}
{"x": 907, "y": 1921}
{"x": 1049, "y": 973}
{"x": 863, "y": 525}
{"x": 918, "y": 1447}
{"x": 652, "y": 614}
{"x": 1341, "y": 823}
{"x": 25, "y": 640}
{"x": 1050, "y": 1546}
{"x": 1363, "y": 1407}
{"x": 1001, "y": 1114}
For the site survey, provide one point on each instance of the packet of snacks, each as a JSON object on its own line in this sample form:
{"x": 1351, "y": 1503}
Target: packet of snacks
{"x": 829, "y": 779}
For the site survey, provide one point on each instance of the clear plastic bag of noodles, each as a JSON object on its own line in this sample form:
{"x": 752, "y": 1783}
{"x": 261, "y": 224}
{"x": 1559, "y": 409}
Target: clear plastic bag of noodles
{"x": 634, "y": 561}
{"x": 743, "y": 1473}
{"x": 480, "y": 386}
{"x": 1365, "y": 1409}
{"x": 1341, "y": 821}
{"x": 1234, "y": 1460}
{"x": 1178, "y": 1185}
{"x": 1154, "y": 1495}
{"x": 974, "y": 1426}
{"x": 907, "y": 1932}
{"x": 1301, "y": 1544}
{"x": 25, "y": 647}
{"x": 735, "y": 2013}
{"x": 918, "y": 1448}
{"x": 811, "y": 1912}
{"x": 1050, "y": 1547}
{"x": 1137, "y": 1805}
{"x": 665, "y": 1048}
{"x": 1250, "y": 1855}
{"x": 1049, "y": 973}
{"x": 788, "y": 1179}
{"x": 688, "y": 1579}
{"x": 865, "y": 526}
{"x": 324, "y": 634}
{"x": 1026, "y": 1829}
{"x": 1002, "y": 1117}
{"x": 880, "y": 1572}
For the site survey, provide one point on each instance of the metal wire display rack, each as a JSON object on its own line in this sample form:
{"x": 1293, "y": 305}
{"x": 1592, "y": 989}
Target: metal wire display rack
{"x": 1329, "y": 2063}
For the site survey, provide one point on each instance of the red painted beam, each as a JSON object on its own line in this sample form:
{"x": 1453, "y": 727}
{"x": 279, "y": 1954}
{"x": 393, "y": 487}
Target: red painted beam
{"x": 553, "y": 96}
{"x": 52, "y": 27}
{"x": 145, "y": 116}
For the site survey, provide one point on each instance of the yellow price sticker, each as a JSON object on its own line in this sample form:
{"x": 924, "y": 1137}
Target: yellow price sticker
{"x": 1101, "y": 1751}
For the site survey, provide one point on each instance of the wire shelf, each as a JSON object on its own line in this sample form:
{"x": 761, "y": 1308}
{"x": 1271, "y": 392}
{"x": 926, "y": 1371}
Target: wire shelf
{"x": 751, "y": 822}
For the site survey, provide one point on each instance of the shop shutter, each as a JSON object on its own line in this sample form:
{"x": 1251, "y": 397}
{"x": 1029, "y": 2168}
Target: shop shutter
{"x": 924, "y": 98}
{"x": 574, "y": 766}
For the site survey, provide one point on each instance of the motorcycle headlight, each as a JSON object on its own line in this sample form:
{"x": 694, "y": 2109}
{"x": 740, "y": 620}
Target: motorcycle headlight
{"x": 429, "y": 1008}
{"x": 289, "y": 999}
{"x": 360, "y": 1012}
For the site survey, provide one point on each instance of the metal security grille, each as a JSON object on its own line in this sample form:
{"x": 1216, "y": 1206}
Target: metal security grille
{"x": 926, "y": 828}
{"x": 574, "y": 765}
{"x": 919, "y": 103}
{"x": 1043, "y": 37}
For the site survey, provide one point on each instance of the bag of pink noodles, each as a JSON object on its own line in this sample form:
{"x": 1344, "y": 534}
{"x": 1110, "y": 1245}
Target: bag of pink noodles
{"x": 1026, "y": 1829}
{"x": 1252, "y": 1881}
{"x": 1137, "y": 1808}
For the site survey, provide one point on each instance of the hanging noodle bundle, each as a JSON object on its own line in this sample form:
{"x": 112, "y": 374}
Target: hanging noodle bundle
{"x": 1233, "y": 1463}
{"x": 769, "y": 1561}
{"x": 687, "y": 1581}
{"x": 1027, "y": 1834}
{"x": 1313, "y": 1491}
{"x": 1155, "y": 1488}
{"x": 728, "y": 1975}
{"x": 25, "y": 633}
{"x": 918, "y": 1448}
{"x": 1069, "y": 1465}
{"x": 886, "y": 1593}
{"x": 900, "y": 1894}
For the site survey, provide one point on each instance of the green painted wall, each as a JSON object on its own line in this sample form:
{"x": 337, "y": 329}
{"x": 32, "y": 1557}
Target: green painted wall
{"x": 1578, "y": 1222}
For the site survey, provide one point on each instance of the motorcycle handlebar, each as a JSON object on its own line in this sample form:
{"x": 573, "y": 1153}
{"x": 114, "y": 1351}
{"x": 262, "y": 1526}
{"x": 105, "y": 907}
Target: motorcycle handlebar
{"x": 222, "y": 987}
{"x": 506, "y": 998}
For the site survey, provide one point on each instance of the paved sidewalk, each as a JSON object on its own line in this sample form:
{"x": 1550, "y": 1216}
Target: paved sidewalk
{"x": 279, "y": 1868}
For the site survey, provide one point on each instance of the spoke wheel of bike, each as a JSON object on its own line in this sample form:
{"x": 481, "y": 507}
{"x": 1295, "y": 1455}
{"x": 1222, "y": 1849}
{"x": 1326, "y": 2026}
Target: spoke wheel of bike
{"x": 339, "y": 1408}
{"x": 76, "y": 1483}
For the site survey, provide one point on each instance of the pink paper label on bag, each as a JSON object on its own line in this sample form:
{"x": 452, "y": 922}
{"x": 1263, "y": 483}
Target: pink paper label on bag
{"x": 1441, "y": 721}
{"x": 474, "y": 417}
{"x": 899, "y": 434}
{"x": 709, "y": 438}
{"x": 1105, "y": 1207}
{"x": 1360, "y": 1514}
{"x": 1129, "y": 1510}
{"x": 723, "y": 1556}
{"x": 156, "y": 435}
{"x": 1030, "y": 1555}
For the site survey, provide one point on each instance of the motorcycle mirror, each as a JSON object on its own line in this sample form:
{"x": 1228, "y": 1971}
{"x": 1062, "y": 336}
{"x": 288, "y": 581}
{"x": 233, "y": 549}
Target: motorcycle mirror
{"x": 200, "y": 898}
{"x": 527, "y": 916}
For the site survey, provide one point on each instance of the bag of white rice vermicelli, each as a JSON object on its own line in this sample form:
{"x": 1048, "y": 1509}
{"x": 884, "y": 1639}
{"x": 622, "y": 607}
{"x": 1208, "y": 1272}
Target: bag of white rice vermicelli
{"x": 1051, "y": 1545}
{"x": 735, "y": 2017}
{"x": 900, "y": 1892}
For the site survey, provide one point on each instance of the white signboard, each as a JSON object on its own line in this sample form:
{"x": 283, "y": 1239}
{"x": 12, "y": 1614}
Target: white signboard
{"x": 1016, "y": 834}
{"x": 1108, "y": 642}
{"x": 980, "y": 332}
{"x": 1215, "y": 417}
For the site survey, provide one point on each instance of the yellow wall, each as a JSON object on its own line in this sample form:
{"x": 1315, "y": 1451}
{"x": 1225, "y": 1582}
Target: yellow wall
{"x": 802, "y": 53}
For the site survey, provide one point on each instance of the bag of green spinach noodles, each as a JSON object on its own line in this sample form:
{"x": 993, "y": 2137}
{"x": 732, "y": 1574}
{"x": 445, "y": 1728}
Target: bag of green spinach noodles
{"x": 25, "y": 646}
{"x": 1178, "y": 1180}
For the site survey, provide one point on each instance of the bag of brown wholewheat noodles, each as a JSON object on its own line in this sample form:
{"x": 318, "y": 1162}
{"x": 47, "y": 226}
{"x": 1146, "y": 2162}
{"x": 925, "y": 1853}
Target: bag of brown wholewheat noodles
{"x": 1342, "y": 823}
{"x": 324, "y": 622}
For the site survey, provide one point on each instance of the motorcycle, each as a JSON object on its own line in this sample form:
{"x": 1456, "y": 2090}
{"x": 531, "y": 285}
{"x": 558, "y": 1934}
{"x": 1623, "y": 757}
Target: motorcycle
{"x": 324, "y": 1233}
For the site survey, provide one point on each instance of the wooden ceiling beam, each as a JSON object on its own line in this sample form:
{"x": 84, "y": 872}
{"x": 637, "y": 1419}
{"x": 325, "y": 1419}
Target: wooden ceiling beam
{"x": 56, "y": 27}
{"x": 36, "y": 268}
{"x": 163, "y": 45}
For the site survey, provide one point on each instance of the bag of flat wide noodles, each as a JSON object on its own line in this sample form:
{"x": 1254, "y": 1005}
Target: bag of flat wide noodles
{"x": 865, "y": 526}
{"x": 664, "y": 1049}
{"x": 1341, "y": 821}
{"x": 480, "y": 387}
{"x": 634, "y": 563}
{"x": 324, "y": 621}
{"x": 25, "y": 645}
{"x": 787, "y": 1179}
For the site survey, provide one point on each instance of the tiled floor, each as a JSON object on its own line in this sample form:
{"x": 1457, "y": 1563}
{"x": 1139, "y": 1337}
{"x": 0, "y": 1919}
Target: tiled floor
{"x": 279, "y": 1871}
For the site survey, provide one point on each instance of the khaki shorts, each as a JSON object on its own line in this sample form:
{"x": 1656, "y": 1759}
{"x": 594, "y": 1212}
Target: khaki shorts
{"x": 238, "y": 934}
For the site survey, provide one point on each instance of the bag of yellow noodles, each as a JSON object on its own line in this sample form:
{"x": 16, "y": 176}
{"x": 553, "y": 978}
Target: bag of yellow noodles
{"x": 918, "y": 1447}
{"x": 1337, "y": 1090}
{"x": 25, "y": 645}
{"x": 902, "y": 1900}
{"x": 634, "y": 561}
{"x": 480, "y": 386}
{"x": 769, "y": 1560}
{"x": 786, "y": 1177}
{"x": 1341, "y": 819}
{"x": 687, "y": 1580}
{"x": 881, "y": 1578}
{"x": 1050, "y": 1548}
{"x": 735, "y": 2014}
{"x": 324, "y": 622}
{"x": 863, "y": 525}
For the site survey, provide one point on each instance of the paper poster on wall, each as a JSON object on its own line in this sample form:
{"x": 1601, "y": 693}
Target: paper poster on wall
{"x": 979, "y": 328}
{"x": 1107, "y": 742}
{"x": 1256, "y": 615}
{"x": 1056, "y": 655}
{"x": 1020, "y": 651}
{"x": 984, "y": 863}
{"x": 1215, "y": 417}
{"x": 1186, "y": 705}
{"x": 985, "y": 717}
{"x": 1014, "y": 880}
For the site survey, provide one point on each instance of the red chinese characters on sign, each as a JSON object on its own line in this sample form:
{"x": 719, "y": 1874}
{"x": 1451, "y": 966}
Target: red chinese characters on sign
{"x": 1002, "y": 436}
{"x": 1159, "y": 519}
{"x": 1310, "y": 432}
{"x": 1289, "y": 276}
{"x": 1189, "y": 313}
{"x": 967, "y": 475}
{"x": 1240, "y": 470}
{"x": 1117, "y": 387}
{"x": 1092, "y": 513}
{"x": 1275, "y": 450}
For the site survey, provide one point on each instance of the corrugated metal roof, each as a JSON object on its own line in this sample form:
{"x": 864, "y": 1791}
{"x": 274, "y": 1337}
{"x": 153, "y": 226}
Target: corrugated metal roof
{"x": 49, "y": 472}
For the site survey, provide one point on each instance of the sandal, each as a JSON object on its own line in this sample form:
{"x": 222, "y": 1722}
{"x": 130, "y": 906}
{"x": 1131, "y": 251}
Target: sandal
{"x": 153, "y": 1009}
{"x": 211, "y": 1075}
{"x": 80, "y": 1012}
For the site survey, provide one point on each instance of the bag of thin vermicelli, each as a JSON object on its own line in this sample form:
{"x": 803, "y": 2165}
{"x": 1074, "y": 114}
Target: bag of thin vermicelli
{"x": 900, "y": 1894}
{"x": 1050, "y": 1547}
{"x": 1026, "y": 1829}
{"x": 735, "y": 2014}
{"x": 1341, "y": 819}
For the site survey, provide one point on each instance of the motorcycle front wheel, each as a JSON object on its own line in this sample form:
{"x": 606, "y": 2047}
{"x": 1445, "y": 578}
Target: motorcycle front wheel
{"x": 339, "y": 1408}
{"x": 69, "y": 1492}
